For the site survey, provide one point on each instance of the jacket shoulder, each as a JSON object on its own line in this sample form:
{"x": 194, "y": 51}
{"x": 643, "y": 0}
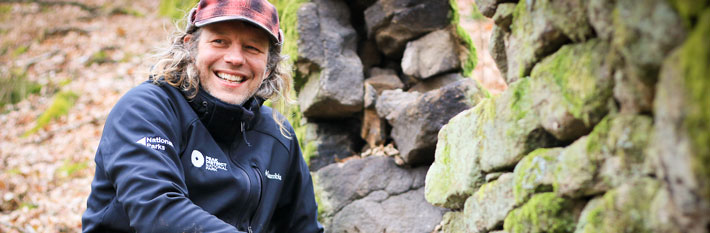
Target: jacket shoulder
{"x": 267, "y": 125}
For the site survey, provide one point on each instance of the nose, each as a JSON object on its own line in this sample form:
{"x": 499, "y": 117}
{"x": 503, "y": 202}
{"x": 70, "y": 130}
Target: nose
{"x": 234, "y": 56}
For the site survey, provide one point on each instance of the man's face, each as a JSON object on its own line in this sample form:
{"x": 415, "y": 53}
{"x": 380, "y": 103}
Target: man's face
{"x": 231, "y": 60}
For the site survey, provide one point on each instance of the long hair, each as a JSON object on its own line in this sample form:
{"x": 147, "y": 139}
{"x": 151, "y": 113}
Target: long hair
{"x": 176, "y": 65}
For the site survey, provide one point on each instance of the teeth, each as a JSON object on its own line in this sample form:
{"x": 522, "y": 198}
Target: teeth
{"x": 229, "y": 77}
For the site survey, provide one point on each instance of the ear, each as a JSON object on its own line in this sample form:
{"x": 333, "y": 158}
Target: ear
{"x": 186, "y": 39}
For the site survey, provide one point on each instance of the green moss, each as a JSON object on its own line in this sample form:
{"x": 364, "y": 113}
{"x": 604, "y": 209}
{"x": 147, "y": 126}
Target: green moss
{"x": 520, "y": 104}
{"x": 15, "y": 87}
{"x": 531, "y": 173}
{"x": 127, "y": 11}
{"x": 544, "y": 212}
{"x": 99, "y": 57}
{"x": 69, "y": 167}
{"x": 63, "y": 101}
{"x": 596, "y": 142}
{"x": 468, "y": 56}
{"x": 476, "y": 13}
{"x": 695, "y": 57}
{"x": 577, "y": 72}
{"x": 288, "y": 18}
{"x": 689, "y": 9}
{"x": 175, "y": 9}
{"x": 19, "y": 51}
{"x": 626, "y": 209}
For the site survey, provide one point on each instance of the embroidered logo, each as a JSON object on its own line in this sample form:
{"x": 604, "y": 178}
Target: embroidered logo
{"x": 212, "y": 164}
{"x": 155, "y": 143}
{"x": 274, "y": 176}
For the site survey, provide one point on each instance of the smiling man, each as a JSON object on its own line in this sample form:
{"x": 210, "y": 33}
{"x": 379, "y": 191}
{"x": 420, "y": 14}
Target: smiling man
{"x": 193, "y": 149}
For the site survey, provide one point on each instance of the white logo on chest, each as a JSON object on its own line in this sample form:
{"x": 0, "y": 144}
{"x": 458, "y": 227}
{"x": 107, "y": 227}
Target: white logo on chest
{"x": 210, "y": 163}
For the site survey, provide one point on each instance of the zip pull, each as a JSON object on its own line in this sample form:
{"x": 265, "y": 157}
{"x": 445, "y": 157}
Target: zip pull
{"x": 250, "y": 229}
{"x": 244, "y": 135}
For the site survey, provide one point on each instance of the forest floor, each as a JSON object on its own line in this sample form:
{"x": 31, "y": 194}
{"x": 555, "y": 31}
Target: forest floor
{"x": 72, "y": 63}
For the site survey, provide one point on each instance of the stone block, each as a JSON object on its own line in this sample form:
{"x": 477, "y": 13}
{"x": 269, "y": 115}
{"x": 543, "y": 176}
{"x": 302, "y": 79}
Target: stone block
{"x": 545, "y": 212}
{"x": 332, "y": 141}
{"x": 430, "y": 55}
{"x": 486, "y": 209}
{"x": 535, "y": 173}
{"x": 452, "y": 222}
{"x": 644, "y": 33}
{"x": 343, "y": 189}
{"x": 436, "y": 82}
{"x": 497, "y": 47}
{"x": 504, "y": 15}
{"x": 511, "y": 128}
{"x": 532, "y": 37}
{"x": 327, "y": 48}
{"x": 614, "y": 152}
{"x": 415, "y": 125}
{"x": 455, "y": 175}
{"x": 572, "y": 89}
{"x": 380, "y": 212}
{"x": 681, "y": 135}
{"x": 393, "y": 23}
{"x": 631, "y": 207}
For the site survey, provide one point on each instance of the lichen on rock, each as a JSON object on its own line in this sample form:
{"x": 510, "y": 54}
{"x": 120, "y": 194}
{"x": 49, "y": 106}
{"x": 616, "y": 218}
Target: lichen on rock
{"x": 545, "y": 212}
{"x": 535, "y": 173}
{"x": 572, "y": 89}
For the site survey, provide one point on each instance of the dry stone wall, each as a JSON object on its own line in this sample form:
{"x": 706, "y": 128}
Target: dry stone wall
{"x": 370, "y": 74}
{"x": 605, "y": 125}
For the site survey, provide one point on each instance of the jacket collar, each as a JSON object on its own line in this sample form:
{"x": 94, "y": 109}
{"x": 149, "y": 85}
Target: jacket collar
{"x": 225, "y": 121}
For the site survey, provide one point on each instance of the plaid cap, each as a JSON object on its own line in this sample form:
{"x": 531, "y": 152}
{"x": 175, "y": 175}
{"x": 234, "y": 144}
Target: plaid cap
{"x": 258, "y": 12}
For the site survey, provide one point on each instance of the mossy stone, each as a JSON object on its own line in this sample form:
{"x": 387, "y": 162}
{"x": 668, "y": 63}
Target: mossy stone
{"x": 535, "y": 173}
{"x": 572, "y": 89}
{"x": 545, "y": 212}
{"x": 694, "y": 63}
{"x": 455, "y": 173}
{"x": 625, "y": 209}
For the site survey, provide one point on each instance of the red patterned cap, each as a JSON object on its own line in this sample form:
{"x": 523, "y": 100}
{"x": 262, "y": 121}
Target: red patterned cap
{"x": 258, "y": 12}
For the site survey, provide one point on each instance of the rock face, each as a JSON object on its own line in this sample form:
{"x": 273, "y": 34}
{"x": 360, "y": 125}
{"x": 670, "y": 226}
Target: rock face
{"x": 682, "y": 130}
{"x": 374, "y": 195}
{"x": 335, "y": 87}
{"x": 331, "y": 140}
{"x": 577, "y": 84}
{"x": 633, "y": 207}
{"x": 416, "y": 121}
{"x": 533, "y": 37}
{"x": 644, "y": 35}
{"x": 394, "y": 22}
{"x": 436, "y": 82}
{"x": 487, "y": 208}
{"x": 545, "y": 212}
{"x": 454, "y": 175}
{"x": 604, "y": 124}
{"x": 504, "y": 144}
{"x": 432, "y": 54}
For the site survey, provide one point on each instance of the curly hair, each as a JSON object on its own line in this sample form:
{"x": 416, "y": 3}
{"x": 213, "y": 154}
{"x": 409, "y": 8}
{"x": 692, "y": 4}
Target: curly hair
{"x": 176, "y": 65}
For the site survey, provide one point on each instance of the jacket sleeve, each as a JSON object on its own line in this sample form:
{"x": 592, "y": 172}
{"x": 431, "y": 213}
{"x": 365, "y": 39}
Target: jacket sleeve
{"x": 149, "y": 181}
{"x": 300, "y": 214}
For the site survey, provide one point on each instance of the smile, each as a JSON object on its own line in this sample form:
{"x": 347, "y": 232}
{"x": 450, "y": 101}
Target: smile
{"x": 230, "y": 77}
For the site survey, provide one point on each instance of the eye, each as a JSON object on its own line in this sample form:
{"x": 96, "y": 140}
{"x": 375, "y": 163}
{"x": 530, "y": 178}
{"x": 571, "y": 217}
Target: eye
{"x": 218, "y": 42}
{"x": 252, "y": 48}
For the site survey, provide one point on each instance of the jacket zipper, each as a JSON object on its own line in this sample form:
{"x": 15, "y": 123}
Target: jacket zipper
{"x": 261, "y": 189}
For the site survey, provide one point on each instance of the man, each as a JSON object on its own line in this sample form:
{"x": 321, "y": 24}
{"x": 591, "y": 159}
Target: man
{"x": 193, "y": 149}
